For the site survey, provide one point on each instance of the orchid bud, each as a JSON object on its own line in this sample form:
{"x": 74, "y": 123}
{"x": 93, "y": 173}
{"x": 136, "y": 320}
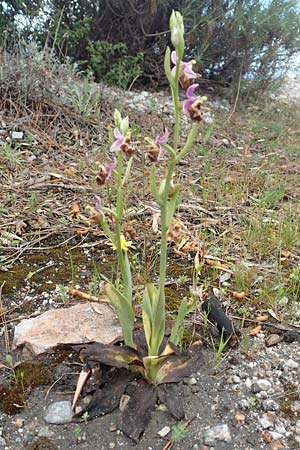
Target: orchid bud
{"x": 124, "y": 125}
{"x": 177, "y": 31}
{"x": 117, "y": 118}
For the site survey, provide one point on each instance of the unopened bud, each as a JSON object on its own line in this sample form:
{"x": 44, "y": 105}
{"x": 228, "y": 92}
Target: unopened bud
{"x": 177, "y": 29}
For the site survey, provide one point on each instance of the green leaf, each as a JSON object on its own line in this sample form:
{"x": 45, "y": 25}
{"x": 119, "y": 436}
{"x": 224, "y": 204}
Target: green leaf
{"x": 167, "y": 65}
{"x": 153, "y": 187}
{"x": 184, "y": 309}
{"x": 153, "y": 318}
{"x": 148, "y": 300}
{"x": 124, "y": 312}
{"x": 127, "y": 171}
{"x": 172, "y": 206}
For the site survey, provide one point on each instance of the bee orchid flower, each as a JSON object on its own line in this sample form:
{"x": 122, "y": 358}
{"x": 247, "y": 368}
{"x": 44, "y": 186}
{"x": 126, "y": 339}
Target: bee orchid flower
{"x": 156, "y": 150}
{"x": 122, "y": 143}
{"x": 105, "y": 172}
{"x": 192, "y": 104}
{"x": 186, "y": 73}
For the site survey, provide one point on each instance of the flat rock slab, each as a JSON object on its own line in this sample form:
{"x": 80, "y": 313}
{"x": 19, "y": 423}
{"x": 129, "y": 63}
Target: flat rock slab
{"x": 79, "y": 324}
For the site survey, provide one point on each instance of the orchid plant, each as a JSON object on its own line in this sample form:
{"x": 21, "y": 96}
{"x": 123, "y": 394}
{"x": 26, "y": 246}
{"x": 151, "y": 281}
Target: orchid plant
{"x": 155, "y": 365}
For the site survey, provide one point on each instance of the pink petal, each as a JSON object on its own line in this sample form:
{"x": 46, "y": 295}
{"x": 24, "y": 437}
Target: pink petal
{"x": 186, "y": 104}
{"x": 190, "y": 90}
{"x": 163, "y": 138}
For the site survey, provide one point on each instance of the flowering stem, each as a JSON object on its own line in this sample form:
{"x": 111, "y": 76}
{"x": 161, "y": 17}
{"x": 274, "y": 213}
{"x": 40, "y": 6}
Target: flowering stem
{"x": 175, "y": 96}
{"x": 122, "y": 255}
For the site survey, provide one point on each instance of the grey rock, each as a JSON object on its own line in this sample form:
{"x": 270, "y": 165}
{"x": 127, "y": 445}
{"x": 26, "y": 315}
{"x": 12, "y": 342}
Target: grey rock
{"x": 46, "y": 432}
{"x": 295, "y": 407}
{"x": 217, "y": 433}
{"x": 244, "y": 403}
{"x": 291, "y": 364}
{"x": 264, "y": 384}
{"x": 267, "y": 420}
{"x": 17, "y": 135}
{"x": 2, "y": 443}
{"x": 59, "y": 412}
{"x": 275, "y": 435}
{"x": 195, "y": 389}
{"x": 255, "y": 389}
{"x": 270, "y": 405}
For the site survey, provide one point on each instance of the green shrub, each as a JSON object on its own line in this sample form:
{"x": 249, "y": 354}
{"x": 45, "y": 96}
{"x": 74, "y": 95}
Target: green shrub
{"x": 111, "y": 63}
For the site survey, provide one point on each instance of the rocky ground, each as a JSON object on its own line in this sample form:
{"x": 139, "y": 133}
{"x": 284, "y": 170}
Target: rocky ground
{"x": 248, "y": 401}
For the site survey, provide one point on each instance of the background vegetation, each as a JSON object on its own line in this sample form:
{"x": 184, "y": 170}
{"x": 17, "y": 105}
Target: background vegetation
{"x": 244, "y": 42}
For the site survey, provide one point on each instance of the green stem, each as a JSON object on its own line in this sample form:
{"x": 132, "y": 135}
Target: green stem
{"x": 165, "y": 194}
{"x": 122, "y": 256}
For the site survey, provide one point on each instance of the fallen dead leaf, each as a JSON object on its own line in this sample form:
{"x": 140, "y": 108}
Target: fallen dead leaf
{"x": 69, "y": 172}
{"x": 255, "y": 330}
{"x": 218, "y": 265}
{"x": 239, "y": 295}
{"x": 261, "y": 318}
{"x": 273, "y": 314}
{"x": 83, "y": 232}
{"x": 75, "y": 210}
{"x": 285, "y": 253}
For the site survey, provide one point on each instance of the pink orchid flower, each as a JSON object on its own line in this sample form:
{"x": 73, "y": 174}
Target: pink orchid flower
{"x": 122, "y": 143}
{"x": 156, "y": 150}
{"x": 186, "y": 73}
{"x": 105, "y": 172}
{"x": 192, "y": 104}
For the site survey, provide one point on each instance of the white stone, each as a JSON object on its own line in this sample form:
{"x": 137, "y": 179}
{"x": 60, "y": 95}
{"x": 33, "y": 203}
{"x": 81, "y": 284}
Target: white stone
{"x": 59, "y": 412}
{"x": 264, "y": 384}
{"x": 291, "y": 364}
{"x": 123, "y": 402}
{"x": 164, "y": 431}
{"x": 17, "y": 135}
{"x": 217, "y": 433}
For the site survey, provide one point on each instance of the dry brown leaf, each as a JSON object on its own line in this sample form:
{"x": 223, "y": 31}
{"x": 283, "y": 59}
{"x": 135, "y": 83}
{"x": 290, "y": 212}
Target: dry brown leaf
{"x": 82, "y": 232}
{"x": 69, "y": 172}
{"x": 273, "y": 314}
{"x": 218, "y": 265}
{"x": 261, "y": 318}
{"x": 285, "y": 253}
{"x": 84, "y": 295}
{"x": 255, "y": 330}
{"x": 239, "y": 295}
{"x": 75, "y": 210}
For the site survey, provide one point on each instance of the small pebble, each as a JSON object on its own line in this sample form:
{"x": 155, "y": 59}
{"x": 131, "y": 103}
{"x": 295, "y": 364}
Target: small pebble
{"x": 59, "y": 412}
{"x": 123, "y": 402}
{"x": 291, "y": 364}
{"x": 267, "y": 420}
{"x": 244, "y": 403}
{"x": 217, "y": 433}
{"x": 164, "y": 431}
{"x": 269, "y": 405}
{"x": 264, "y": 384}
